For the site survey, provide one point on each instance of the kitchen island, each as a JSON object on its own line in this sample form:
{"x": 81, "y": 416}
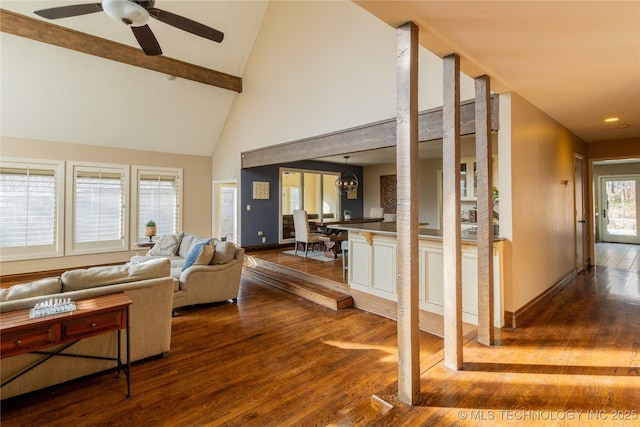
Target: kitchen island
{"x": 373, "y": 272}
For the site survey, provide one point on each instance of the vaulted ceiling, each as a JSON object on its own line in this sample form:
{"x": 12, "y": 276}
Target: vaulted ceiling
{"x": 577, "y": 61}
{"x": 52, "y": 94}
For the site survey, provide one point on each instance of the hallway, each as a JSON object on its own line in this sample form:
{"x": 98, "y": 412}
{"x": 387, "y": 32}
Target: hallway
{"x": 618, "y": 255}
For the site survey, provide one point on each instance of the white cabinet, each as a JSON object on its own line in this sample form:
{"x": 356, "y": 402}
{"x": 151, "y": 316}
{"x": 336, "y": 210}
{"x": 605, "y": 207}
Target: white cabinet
{"x": 373, "y": 270}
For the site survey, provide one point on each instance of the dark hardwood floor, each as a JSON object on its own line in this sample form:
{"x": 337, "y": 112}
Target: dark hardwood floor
{"x": 274, "y": 359}
{"x": 330, "y": 269}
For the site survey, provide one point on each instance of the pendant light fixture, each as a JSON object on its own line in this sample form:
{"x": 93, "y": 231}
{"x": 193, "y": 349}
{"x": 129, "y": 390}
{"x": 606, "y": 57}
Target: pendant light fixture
{"x": 347, "y": 181}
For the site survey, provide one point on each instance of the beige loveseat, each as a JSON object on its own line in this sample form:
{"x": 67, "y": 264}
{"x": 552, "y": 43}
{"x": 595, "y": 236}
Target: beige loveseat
{"x": 150, "y": 289}
{"x": 214, "y": 275}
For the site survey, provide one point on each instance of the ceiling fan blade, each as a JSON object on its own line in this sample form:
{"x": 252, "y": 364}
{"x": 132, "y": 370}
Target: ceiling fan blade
{"x": 186, "y": 24}
{"x": 147, "y": 40}
{"x": 68, "y": 11}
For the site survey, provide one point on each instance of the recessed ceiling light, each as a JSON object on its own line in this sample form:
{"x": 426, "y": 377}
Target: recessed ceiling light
{"x": 611, "y": 119}
{"x": 624, "y": 126}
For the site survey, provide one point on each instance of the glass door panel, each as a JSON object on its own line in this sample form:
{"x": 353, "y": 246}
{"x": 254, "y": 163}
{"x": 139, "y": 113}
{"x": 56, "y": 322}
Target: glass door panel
{"x": 290, "y": 191}
{"x": 620, "y": 207}
{"x": 330, "y": 196}
{"x": 290, "y": 200}
{"x": 312, "y": 194}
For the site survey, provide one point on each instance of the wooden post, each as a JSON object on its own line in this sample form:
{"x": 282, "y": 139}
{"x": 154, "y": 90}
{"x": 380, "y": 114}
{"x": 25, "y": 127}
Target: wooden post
{"x": 485, "y": 211}
{"x": 451, "y": 214}
{"x": 407, "y": 214}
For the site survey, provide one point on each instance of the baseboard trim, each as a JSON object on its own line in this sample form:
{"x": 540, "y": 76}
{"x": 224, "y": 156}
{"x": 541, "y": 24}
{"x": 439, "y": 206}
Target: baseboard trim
{"x": 248, "y": 249}
{"x": 520, "y": 316}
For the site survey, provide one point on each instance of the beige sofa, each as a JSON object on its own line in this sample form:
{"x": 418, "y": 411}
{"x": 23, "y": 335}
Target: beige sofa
{"x": 213, "y": 277}
{"x": 149, "y": 287}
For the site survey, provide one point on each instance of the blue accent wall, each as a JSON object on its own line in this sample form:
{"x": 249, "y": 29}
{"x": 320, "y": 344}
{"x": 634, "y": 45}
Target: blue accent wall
{"x": 263, "y": 215}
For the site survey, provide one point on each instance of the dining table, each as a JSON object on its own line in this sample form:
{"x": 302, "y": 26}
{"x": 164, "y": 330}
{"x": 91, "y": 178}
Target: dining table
{"x": 327, "y": 226}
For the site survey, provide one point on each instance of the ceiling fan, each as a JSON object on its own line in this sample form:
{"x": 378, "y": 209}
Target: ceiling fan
{"x": 135, "y": 14}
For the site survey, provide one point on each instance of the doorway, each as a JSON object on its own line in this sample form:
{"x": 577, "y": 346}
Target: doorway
{"x": 225, "y": 210}
{"x": 619, "y": 209}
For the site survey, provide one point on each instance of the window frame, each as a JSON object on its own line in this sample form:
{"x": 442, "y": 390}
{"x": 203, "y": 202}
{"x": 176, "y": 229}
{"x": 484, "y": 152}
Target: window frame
{"x": 137, "y": 172}
{"x": 56, "y": 249}
{"x": 81, "y": 248}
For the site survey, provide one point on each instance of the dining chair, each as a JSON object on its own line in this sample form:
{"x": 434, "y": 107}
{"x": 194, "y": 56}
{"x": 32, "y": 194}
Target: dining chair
{"x": 376, "y": 213}
{"x": 303, "y": 234}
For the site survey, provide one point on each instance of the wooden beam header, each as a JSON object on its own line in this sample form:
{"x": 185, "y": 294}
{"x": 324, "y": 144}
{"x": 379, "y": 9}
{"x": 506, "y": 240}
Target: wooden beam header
{"x": 35, "y": 29}
{"x": 371, "y": 136}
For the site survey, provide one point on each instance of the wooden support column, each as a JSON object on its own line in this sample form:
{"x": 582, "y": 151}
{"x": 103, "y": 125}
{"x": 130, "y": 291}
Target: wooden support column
{"x": 484, "y": 204}
{"x": 407, "y": 214}
{"x": 451, "y": 214}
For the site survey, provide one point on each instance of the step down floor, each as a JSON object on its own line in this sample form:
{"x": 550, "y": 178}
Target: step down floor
{"x": 321, "y": 291}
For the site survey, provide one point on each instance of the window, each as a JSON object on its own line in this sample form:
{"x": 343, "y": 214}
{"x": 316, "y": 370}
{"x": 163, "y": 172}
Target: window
{"x": 158, "y": 196}
{"x": 313, "y": 191}
{"x": 97, "y": 208}
{"x": 31, "y": 194}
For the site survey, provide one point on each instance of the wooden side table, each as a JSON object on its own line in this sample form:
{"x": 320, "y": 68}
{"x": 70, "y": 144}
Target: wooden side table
{"x": 20, "y": 334}
{"x": 145, "y": 244}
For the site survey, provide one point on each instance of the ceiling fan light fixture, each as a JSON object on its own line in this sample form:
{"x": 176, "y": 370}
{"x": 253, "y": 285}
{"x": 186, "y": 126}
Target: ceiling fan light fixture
{"x": 126, "y": 11}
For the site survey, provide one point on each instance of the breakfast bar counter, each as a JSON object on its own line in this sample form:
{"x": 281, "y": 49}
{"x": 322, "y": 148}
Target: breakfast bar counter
{"x": 373, "y": 268}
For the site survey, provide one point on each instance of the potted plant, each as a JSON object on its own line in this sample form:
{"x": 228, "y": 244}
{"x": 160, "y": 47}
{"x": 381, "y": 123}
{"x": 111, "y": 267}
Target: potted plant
{"x": 346, "y": 213}
{"x": 150, "y": 229}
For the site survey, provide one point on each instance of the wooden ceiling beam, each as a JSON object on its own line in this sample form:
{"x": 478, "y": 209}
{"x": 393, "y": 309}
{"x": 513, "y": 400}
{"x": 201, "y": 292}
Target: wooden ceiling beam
{"x": 35, "y": 29}
{"x": 371, "y": 136}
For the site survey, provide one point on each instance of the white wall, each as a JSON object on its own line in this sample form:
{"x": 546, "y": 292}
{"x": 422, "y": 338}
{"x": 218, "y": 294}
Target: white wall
{"x": 318, "y": 67}
{"x": 59, "y": 95}
{"x": 428, "y": 171}
{"x": 542, "y": 208}
{"x": 427, "y": 184}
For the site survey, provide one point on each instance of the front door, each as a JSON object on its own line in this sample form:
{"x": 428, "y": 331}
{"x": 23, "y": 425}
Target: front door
{"x": 620, "y": 208}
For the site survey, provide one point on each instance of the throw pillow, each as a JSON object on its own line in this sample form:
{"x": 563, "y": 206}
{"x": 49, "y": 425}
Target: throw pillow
{"x": 201, "y": 254}
{"x": 167, "y": 245}
{"x": 225, "y": 251}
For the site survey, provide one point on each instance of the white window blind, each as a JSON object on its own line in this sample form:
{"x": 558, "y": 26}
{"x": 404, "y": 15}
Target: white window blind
{"x": 99, "y": 217}
{"x": 99, "y": 206}
{"x": 158, "y": 200}
{"x": 30, "y": 200}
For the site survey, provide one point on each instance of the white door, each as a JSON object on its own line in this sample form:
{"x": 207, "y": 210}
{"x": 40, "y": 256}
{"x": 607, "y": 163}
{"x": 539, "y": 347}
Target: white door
{"x": 225, "y": 225}
{"x": 620, "y": 208}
